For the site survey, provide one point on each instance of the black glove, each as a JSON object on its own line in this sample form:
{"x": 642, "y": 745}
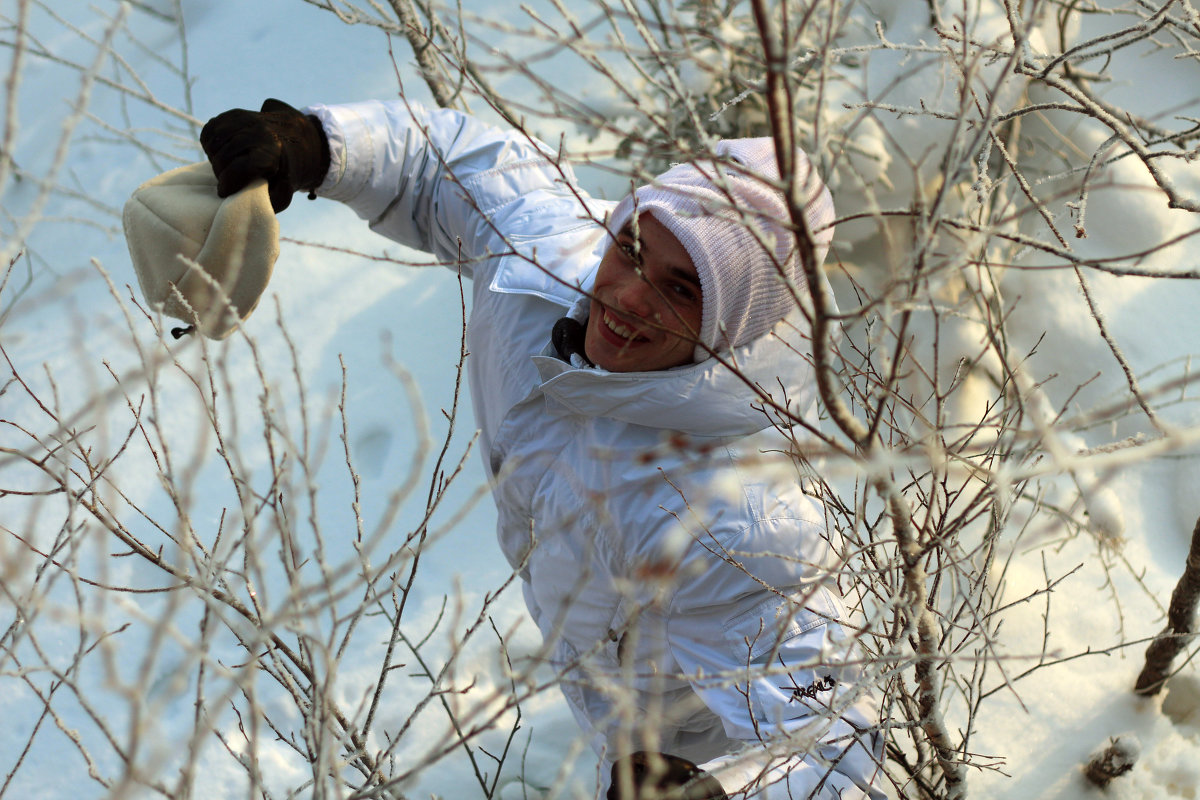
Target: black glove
{"x": 279, "y": 143}
{"x": 658, "y": 776}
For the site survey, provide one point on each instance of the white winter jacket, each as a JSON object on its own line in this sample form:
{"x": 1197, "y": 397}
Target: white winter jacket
{"x": 682, "y": 580}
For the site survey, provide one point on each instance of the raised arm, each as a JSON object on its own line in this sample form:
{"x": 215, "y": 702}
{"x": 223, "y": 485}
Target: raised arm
{"x": 439, "y": 179}
{"x": 436, "y": 180}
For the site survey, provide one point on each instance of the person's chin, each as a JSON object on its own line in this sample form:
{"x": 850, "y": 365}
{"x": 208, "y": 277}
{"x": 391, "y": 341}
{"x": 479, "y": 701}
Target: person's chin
{"x": 611, "y": 359}
{"x": 605, "y": 354}
{"x": 605, "y": 358}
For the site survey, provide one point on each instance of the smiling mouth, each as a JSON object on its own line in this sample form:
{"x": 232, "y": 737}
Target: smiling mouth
{"x": 624, "y": 332}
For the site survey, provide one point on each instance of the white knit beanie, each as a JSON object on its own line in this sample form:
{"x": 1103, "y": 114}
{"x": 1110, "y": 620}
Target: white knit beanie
{"x": 177, "y": 218}
{"x": 732, "y": 219}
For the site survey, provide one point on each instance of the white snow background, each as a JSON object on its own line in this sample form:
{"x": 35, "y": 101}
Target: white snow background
{"x": 342, "y": 307}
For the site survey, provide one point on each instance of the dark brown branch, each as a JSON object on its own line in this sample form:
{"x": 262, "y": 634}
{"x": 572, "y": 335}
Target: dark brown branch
{"x": 1181, "y": 627}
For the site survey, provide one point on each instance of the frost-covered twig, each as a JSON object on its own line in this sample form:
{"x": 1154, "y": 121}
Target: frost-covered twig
{"x": 779, "y": 99}
{"x": 422, "y": 45}
{"x": 1115, "y": 349}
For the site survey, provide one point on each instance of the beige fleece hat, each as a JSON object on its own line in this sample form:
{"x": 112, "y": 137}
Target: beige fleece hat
{"x": 175, "y": 223}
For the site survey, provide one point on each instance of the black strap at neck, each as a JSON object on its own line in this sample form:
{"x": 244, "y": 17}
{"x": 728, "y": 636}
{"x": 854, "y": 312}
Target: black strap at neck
{"x": 567, "y": 336}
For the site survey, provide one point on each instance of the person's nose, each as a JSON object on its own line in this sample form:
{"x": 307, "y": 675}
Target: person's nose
{"x": 635, "y": 296}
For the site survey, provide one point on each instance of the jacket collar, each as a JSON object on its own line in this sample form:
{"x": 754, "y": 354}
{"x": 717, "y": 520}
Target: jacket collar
{"x": 707, "y": 398}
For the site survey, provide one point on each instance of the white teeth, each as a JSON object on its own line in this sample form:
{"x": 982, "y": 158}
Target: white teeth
{"x": 618, "y": 328}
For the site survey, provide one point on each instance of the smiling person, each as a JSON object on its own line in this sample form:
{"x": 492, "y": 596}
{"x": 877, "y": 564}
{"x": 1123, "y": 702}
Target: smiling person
{"x": 685, "y": 584}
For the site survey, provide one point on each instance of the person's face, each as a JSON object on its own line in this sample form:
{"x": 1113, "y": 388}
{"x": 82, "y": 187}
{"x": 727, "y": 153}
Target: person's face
{"x": 646, "y": 302}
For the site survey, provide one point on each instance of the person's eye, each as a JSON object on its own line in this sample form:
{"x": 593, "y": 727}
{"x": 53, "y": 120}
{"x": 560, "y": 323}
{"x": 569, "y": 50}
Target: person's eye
{"x": 684, "y": 292}
{"x": 630, "y": 251}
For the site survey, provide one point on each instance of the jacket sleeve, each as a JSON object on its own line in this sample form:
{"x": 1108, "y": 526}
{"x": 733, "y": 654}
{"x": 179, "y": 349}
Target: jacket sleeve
{"x": 781, "y": 672}
{"x": 440, "y": 180}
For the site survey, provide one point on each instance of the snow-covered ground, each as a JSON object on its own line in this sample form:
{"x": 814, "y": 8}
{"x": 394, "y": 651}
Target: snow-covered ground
{"x": 343, "y": 308}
